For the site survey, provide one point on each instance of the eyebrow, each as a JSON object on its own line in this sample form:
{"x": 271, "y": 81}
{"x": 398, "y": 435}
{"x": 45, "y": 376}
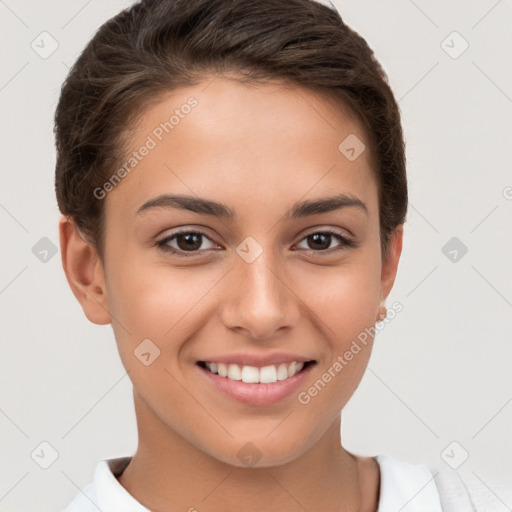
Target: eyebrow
{"x": 206, "y": 206}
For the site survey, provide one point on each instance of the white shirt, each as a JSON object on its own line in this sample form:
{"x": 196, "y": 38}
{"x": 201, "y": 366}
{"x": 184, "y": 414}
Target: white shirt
{"x": 404, "y": 487}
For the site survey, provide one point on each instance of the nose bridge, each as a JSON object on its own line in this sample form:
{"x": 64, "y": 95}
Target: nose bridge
{"x": 259, "y": 299}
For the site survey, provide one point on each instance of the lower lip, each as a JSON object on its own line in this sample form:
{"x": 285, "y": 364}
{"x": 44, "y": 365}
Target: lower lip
{"x": 257, "y": 394}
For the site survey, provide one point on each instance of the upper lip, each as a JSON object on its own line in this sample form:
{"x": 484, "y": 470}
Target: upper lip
{"x": 257, "y": 360}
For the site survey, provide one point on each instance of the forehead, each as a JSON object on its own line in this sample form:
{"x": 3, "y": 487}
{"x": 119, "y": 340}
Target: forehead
{"x": 262, "y": 143}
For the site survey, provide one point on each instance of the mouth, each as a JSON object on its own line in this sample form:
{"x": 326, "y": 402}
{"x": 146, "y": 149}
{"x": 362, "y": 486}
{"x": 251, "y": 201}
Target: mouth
{"x": 254, "y": 374}
{"x": 257, "y": 386}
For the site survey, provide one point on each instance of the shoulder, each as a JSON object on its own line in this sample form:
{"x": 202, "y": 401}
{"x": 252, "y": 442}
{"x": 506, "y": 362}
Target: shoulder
{"x": 465, "y": 490}
{"x": 105, "y": 493}
{"x": 84, "y": 501}
{"x": 417, "y": 487}
{"x": 407, "y": 487}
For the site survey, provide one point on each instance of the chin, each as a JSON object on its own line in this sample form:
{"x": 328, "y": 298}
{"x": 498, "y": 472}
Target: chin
{"x": 259, "y": 453}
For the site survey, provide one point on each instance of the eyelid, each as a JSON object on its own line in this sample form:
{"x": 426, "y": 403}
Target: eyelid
{"x": 324, "y": 229}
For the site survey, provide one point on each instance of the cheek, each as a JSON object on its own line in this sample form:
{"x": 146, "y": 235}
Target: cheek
{"x": 345, "y": 298}
{"x": 156, "y": 302}
{"x": 345, "y": 301}
{"x": 346, "y": 312}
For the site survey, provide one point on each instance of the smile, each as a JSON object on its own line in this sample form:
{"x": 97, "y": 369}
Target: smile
{"x": 260, "y": 386}
{"x": 253, "y": 374}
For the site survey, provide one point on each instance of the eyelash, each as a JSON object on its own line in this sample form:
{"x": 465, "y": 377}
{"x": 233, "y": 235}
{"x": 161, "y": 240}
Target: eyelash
{"x": 347, "y": 243}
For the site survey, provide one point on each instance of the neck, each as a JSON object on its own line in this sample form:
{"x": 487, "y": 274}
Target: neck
{"x": 169, "y": 473}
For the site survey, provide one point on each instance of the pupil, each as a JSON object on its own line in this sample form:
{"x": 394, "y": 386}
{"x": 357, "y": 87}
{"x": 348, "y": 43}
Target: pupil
{"x": 322, "y": 239}
{"x": 193, "y": 241}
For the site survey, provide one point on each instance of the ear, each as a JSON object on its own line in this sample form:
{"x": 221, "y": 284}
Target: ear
{"x": 84, "y": 272}
{"x": 390, "y": 267}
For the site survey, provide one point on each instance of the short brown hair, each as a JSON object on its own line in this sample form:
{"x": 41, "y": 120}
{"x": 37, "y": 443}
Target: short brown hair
{"x": 158, "y": 45}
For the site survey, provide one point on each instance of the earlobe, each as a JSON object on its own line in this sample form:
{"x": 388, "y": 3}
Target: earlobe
{"x": 84, "y": 272}
{"x": 389, "y": 268}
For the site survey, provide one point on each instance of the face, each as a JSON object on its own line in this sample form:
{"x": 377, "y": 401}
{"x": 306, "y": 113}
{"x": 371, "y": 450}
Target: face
{"x": 243, "y": 269}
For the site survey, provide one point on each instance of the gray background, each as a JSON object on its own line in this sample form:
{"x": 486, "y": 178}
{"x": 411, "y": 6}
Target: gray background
{"x": 440, "y": 371}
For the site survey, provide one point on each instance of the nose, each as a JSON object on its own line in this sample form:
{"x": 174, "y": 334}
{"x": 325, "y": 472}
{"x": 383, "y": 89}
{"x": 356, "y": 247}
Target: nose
{"x": 259, "y": 298}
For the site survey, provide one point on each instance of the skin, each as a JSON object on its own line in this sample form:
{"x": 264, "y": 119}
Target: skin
{"x": 258, "y": 149}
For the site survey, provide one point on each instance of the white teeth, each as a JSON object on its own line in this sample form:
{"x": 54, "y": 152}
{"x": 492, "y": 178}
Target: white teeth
{"x": 294, "y": 368}
{"x": 234, "y": 372}
{"x": 221, "y": 369}
{"x": 250, "y": 374}
{"x": 268, "y": 374}
{"x": 282, "y": 372}
{"x": 254, "y": 375}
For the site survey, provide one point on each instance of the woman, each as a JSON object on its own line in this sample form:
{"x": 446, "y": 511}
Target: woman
{"x": 232, "y": 181}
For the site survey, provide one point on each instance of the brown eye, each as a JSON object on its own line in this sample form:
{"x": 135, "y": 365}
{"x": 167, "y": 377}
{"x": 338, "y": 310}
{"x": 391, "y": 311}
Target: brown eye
{"x": 322, "y": 241}
{"x": 189, "y": 241}
{"x": 185, "y": 242}
{"x": 319, "y": 241}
